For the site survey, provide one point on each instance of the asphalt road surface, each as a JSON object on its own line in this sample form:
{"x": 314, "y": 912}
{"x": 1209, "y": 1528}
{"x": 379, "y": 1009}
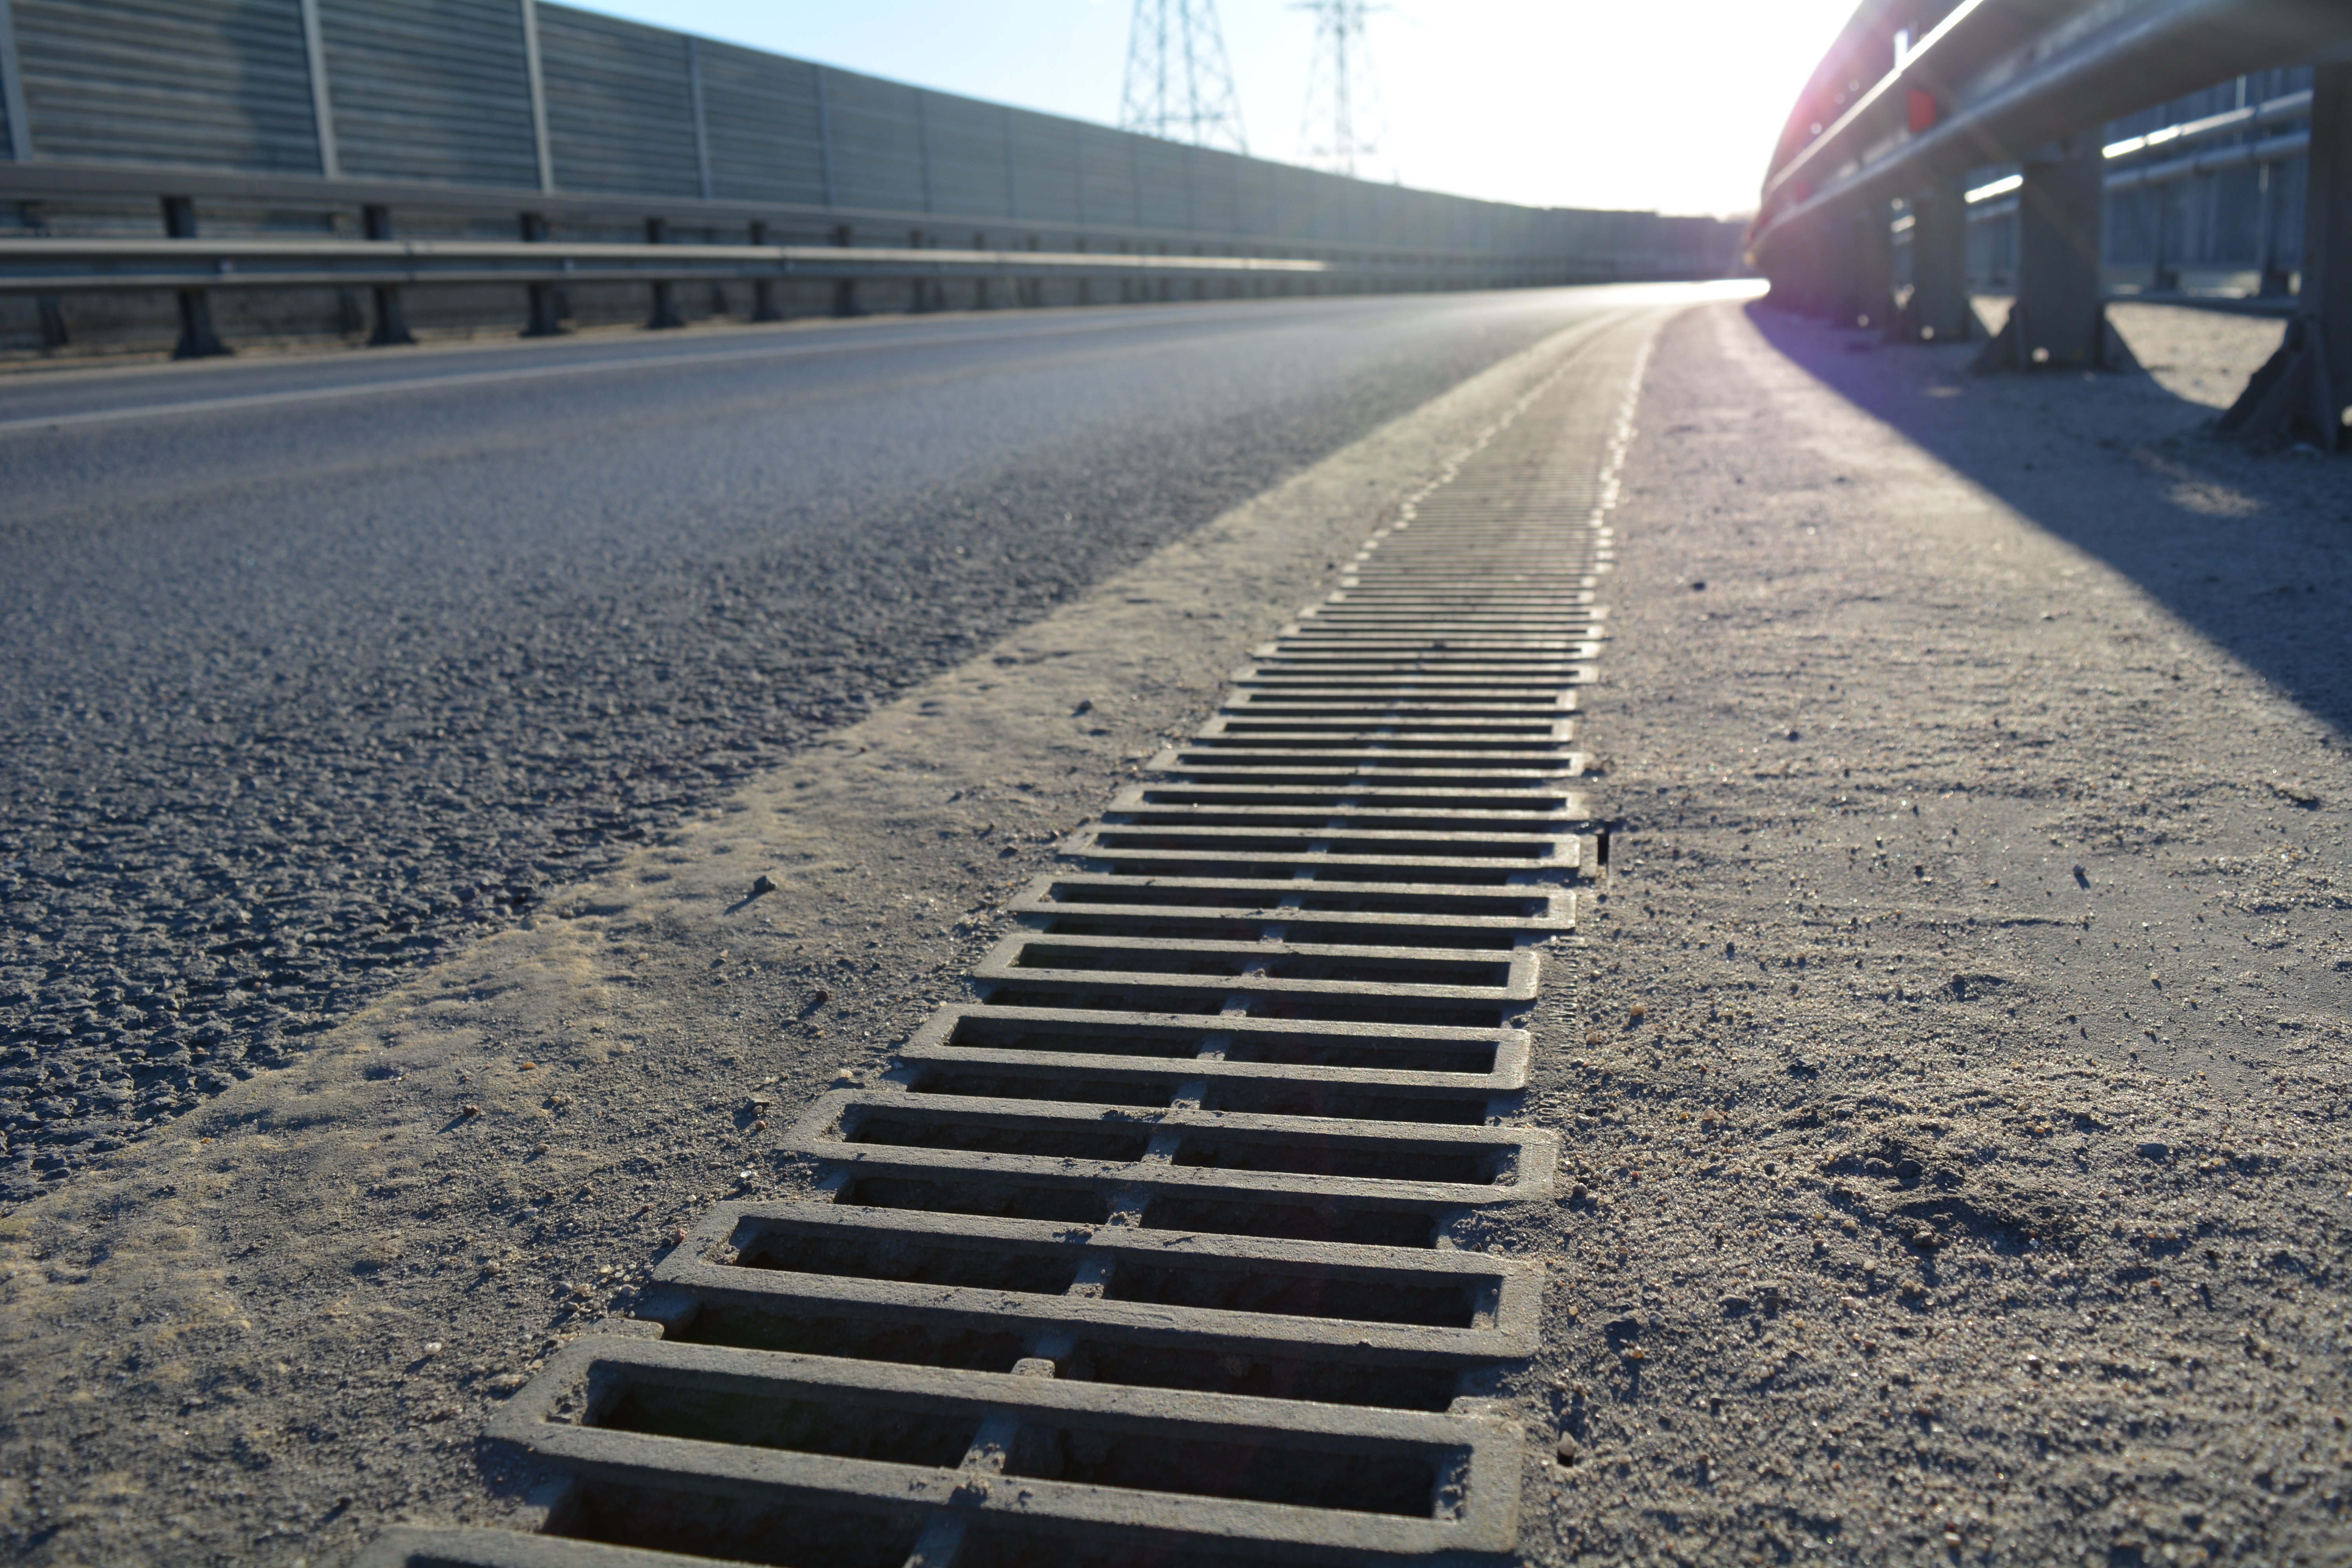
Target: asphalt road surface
{"x": 310, "y": 667}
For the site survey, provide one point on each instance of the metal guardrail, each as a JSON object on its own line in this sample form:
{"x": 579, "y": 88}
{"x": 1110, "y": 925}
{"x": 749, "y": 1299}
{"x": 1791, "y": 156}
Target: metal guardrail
{"x": 54, "y": 267}
{"x": 246, "y": 263}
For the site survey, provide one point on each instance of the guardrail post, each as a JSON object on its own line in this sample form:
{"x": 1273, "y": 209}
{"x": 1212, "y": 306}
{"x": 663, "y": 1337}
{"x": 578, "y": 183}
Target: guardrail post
{"x": 2060, "y": 320}
{"x": 391, "y": 321}
{"x": 844, "y": 289}
{"x": 665, "y": 312}
{"x": 197, "y": 339}
{"x": 763, "y": 289}
{"x": 546, "y": 315}
{"x": 2305, "y": 392}
{"x": 1938, "y": 310}
{"x": 918, "y": 292}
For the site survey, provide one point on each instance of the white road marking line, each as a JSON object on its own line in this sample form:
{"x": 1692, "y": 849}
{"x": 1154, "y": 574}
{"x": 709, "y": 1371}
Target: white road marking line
{"x": 531, "y": 373}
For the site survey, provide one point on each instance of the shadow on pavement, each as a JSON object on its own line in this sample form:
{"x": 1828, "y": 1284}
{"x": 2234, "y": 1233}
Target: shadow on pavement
{"x": 2252, "y": 552}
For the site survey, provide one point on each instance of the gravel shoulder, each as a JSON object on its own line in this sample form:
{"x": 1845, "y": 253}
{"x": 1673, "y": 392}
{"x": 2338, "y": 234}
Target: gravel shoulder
{"x": 278, "y": 1324}
{"x": 1960, "y": 1106}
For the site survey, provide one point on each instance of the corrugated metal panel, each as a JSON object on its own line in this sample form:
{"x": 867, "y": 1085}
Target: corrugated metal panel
{"x": 877, "y": 146}
{"x": 209, "y": 83}
{"x": 968, "y": 176}
{"x": 1163, "y": 196}
{"x": 1046, "y": 168}
{"x": 1216, "y": 190}
{"x": 437, "y": 91}
{"x": 761, "y": 114}
{"x": 1106, "y": 166}
{"x": 431, "y": 89}
{"x": 620, "y": 109}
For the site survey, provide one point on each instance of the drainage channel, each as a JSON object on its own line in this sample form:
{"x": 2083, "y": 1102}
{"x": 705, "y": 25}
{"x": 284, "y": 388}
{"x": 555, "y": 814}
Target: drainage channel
{"x": 1164, "y": 1248}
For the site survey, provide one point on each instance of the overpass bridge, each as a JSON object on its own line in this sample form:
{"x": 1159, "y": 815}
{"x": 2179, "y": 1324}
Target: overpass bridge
{"x": 1921, "y": 113}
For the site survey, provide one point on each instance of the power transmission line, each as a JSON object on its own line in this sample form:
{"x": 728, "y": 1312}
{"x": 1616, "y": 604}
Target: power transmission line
{"x": 1179, "y": 85}
{"x": 1344, "y": 125}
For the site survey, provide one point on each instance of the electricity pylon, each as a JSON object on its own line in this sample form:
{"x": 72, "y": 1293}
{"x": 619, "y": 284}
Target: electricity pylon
{"x": 1341, "y": 128}
{"x": 1179, "y": 86}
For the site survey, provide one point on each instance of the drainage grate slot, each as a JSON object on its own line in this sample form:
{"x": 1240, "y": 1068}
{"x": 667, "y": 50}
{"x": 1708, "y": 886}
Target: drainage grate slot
{"x": 1341, "y": 1008}
{"x": 1403, "y": 846}
{"x": 867, "y": 1256}
{"x": 1397, "y": 1050}
{"x": 1309, "y": 900}
{"x": 1362, "y": 1161}
{"x": 995, "y": 1200}
{"x": 1165, "y": 927}
{"x": 761, "y": 1417}
{"x": 1379, "y": 740}
{"x": 863, "y": 1338}
{"x": 1325, "y": 871}
{"x": 1451, "y": 1303}
{"x": 1104, "y": 999}
{"x": 1399, "y": 800}
{"x": 1356, "y": 1476}
{"x": 1381, "y": 1010}
{"x": 994, "y": 1135}
{"x": 1399, "y": 934}
{"x": 1401, "y": 1053}
{"x": 1286, "y": 963}
{"x": 979, "y": 1032}
{"x": 1212, "y": 927}
{"x": 1325, "y": 821}
{"x": 1385, "y": 1385}
{"x": 1351, "y": 1225}
{"x": 1086, "y": 1090}
{"x": 993, "y": 1547}
{"x": 1351, "y": 1104}
{"x": 737, "y": 1528}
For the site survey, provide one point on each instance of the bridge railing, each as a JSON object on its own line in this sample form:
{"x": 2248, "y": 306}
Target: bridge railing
{"x": 2029, "y": 83}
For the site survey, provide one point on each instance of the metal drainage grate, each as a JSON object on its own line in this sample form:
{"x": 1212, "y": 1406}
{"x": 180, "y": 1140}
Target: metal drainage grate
{"x": 1158, "y": 1248}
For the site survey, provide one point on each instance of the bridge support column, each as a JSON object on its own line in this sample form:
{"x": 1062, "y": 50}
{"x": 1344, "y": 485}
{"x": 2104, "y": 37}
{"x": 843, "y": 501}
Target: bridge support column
{"x": 2059, "y": 320}
{"x": 197, "y": 339}
{"x": 1799, "y": 270}
{"x": 1938, "y": 310}
{"x": 2305, "y": 392}
{"x": 1867, "y": 278}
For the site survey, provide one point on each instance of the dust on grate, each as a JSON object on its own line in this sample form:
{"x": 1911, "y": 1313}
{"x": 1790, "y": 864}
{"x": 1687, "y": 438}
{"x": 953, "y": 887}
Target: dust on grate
{"x": 1149, "y": 1251}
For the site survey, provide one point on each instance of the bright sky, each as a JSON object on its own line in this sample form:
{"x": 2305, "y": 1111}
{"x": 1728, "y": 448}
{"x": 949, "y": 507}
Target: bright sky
{"x": 1669, "y": 105}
